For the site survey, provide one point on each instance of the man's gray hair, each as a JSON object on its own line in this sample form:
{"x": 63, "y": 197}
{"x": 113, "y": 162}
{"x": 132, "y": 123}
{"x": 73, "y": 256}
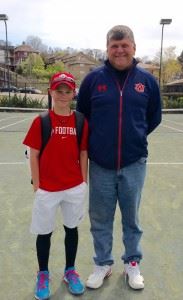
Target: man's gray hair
{"x": 120, "y": 32}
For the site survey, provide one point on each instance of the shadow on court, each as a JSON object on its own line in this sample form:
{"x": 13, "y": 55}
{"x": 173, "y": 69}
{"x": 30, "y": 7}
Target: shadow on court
{"x": 160, "y": 215}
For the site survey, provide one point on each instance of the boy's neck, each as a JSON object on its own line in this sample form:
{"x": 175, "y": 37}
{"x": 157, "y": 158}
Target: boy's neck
{"x": 62, "y": 111}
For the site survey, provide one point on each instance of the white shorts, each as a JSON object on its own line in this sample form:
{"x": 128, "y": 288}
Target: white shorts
{"x": 70, "y": 201}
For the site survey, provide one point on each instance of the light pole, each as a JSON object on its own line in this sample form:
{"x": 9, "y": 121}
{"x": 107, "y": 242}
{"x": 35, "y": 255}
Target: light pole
{"x": 4, "y": 18}
{"x": 162, "y": 22}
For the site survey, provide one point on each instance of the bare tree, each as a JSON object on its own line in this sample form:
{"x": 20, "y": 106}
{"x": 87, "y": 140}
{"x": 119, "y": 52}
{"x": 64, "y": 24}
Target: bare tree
{"x": 36, "y": 43}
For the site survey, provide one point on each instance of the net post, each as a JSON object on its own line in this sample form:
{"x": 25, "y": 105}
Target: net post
{"x": 49, "y": 100}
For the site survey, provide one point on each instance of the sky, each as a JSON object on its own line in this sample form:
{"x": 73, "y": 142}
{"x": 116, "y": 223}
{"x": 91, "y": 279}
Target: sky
{"x": 84, "y": 24}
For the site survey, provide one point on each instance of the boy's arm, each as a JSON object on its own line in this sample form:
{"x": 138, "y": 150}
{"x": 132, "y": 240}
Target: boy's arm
{"x": 84, "y": 164}
{"x": 34, "y": 165}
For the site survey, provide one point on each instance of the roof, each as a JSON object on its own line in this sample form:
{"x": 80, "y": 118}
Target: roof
{"x": 77, "y": 58}
{"x": 148, "y": 66}
{"x": 176, "y": 82}
{"x": 25, "y": 48}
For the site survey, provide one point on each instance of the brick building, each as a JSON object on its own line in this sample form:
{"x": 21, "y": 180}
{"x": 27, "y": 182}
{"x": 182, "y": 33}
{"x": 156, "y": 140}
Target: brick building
{"x": 79, "y": 64}
{"x": 22, "y": 52}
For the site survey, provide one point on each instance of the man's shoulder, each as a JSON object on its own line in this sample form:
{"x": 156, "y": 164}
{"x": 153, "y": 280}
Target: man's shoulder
{"x": 148, "y": 79}
{"x": 145, "y": 73}
{"x": 94, "y": 73}
{"x": 97, "y": 69}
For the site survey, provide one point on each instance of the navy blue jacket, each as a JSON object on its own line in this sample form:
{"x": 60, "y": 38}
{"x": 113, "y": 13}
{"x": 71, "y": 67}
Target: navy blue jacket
{"x": 122, "y": 108}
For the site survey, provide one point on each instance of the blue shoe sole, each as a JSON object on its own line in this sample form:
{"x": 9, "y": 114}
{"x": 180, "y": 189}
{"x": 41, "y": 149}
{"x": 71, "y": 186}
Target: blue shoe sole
{"x": 73, "y": 292}
{"x": 38, "y": 298}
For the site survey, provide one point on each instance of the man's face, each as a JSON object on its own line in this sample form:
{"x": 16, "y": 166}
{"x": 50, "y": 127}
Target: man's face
{"x": 120, "y": 53}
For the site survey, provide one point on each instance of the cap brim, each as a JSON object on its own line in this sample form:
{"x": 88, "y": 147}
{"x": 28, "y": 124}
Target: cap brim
{"x": 55, "y": 85}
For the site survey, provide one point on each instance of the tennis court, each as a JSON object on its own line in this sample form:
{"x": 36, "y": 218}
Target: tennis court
{"x": 161, "y": 220}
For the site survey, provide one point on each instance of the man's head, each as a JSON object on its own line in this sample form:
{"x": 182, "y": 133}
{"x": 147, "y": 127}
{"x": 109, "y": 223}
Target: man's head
{"x": 120, "y": 32}
{"x": 120, "y": 47}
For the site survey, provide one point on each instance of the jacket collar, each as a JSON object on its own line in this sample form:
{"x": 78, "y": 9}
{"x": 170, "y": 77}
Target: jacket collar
{"x": 114, "y": 70}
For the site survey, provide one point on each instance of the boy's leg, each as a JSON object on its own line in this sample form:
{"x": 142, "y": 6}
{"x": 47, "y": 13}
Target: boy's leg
{"x": 73, "y": 205}
{"x": 43, "y": 243}
{"x": 72, "y": 209}
{"x": 71, "y": 245}
{"x": 71, "y": 277}
{"x": 44, "y": 212}
{"x": 42, "y": 290}
{"x": 43, "y": 224}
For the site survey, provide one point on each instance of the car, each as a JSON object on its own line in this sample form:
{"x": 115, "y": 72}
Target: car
{"x": 30, "y": 90}
{"x": 11, "y": 88}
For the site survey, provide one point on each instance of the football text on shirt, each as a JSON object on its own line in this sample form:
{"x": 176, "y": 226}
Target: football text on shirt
{"x": 64, "y": 130}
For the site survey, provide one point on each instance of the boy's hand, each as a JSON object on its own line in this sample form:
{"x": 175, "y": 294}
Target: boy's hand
{"x": 34, "y": 164}
{"x": 35, "y": 187}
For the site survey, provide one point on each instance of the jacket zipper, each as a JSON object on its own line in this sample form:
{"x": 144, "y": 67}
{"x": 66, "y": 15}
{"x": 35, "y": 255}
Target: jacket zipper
{"x": 120, "y": 120}
{"x": 120, "y": 128}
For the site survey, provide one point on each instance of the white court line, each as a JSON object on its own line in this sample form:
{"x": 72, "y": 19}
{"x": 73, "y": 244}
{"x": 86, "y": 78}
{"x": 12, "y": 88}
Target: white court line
{"x": 165, "y": 163}
{"x": 13, "y": 163}
{"x": 169, "y": 127}
{"x": 148, "y": 163}
{"x": 181, "y": 124}
{"x": 15, "y": 123}
{"x": 9, "y": 118}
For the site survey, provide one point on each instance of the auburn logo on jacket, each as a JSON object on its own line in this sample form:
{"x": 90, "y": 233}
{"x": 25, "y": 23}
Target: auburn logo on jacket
{"x": 139, "y": 87}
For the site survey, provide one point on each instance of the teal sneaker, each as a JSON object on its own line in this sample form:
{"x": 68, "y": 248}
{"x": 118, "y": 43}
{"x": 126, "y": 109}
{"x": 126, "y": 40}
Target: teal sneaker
{"x": 75, "y": 285}
{"x": 42, "y": 291}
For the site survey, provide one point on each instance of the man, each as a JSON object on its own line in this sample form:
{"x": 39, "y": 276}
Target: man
{"x": 122, "y": 105}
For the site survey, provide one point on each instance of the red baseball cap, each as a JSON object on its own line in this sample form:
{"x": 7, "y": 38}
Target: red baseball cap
{"x": 62, "y": 77}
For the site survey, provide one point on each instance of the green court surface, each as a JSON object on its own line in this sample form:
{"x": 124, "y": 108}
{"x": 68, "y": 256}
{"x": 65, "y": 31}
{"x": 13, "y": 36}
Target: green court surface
{"x": 160, "y": 214}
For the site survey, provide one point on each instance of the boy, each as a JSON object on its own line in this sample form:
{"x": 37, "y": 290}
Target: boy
{"x": 59, "y": 178}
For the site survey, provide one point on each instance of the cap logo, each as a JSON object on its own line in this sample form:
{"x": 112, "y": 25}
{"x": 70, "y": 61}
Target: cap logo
{"x": 63, "y": 77}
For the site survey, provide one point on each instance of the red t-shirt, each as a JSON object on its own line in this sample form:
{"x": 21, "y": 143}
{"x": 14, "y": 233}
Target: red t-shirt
{"x": 59, "y": 166}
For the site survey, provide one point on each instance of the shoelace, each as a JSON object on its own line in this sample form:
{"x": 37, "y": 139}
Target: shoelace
{"x": 72, "y": 275}
{"x": 134, "y": 270}
{"x": 42, "y": 280}
{"x": 99, "y": 271}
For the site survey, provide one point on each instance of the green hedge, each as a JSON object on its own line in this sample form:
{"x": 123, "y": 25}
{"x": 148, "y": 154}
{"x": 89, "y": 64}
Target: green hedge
{"x": 18, "y": 101}
{"x": 173, "y": 102}
{"x": 25, "y": 102}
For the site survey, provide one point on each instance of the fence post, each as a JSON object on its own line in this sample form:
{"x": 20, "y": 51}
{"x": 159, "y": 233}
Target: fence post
{"x": 49, "y": 101}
